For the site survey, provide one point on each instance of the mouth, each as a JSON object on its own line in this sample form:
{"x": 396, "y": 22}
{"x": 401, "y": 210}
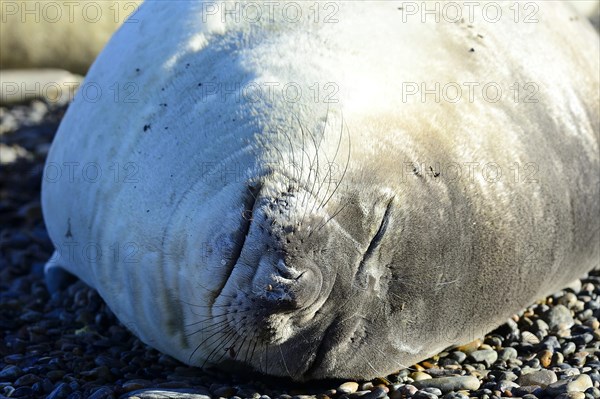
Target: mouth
{"x": 232, "y": 256}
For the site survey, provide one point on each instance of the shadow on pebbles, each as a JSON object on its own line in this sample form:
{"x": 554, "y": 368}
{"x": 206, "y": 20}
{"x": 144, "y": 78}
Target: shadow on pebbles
{"x": 69, "y": 345}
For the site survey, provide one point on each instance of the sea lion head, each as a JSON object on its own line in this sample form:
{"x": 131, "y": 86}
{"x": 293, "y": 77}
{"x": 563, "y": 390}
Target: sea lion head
{"x": 301, "y": 280}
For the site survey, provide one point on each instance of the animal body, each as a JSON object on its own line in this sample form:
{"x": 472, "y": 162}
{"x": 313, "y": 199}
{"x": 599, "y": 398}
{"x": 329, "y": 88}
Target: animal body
{"x": 332, "y": 189}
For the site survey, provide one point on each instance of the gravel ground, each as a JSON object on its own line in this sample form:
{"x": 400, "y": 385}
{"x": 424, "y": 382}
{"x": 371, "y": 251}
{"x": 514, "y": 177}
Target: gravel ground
{"x": 70, "y": 345}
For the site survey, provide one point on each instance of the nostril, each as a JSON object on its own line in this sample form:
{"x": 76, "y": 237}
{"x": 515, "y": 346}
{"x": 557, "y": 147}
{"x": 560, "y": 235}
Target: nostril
{"x": 277, "y": 293}
{"x": 287, "y": 272}
{"x": 281, "y": 287}
{"x": 278, "y": 297}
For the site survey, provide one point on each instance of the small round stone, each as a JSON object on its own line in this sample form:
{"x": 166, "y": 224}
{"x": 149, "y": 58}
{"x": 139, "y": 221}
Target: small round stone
{"x": 455, "y": 395}
{"x": 557, "y": 358}
{"x": 558, "y": 317}
{"x": 376, "y": 393}
{"x": 545, "y": 357}
{"x": 572, "y": 384}
{"x": 10, "y": 373}
{"x": 61, "y": 391}
{"x": 348, "y": 387}
{"x": 594, "y": 392}
{"x": 432, "y": 390}
{"x": 508, "y": 353}
{"x": 458, "y": 356}
{"x": 424, "y": 395}
{"x": 419, "y": 376}
{"x": 569, "y": 348}
{"x": 485, "y": 356}
{"x": 542, "y": 378}
{"x": 447, "y": 384}
{"x": 408, "y": 390}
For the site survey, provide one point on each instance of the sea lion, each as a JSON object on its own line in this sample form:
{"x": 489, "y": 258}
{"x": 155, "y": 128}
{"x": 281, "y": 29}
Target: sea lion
{"x": 59, "y": 34}
{"x": 329, "y": 192}
{"x": 46, "y": 45}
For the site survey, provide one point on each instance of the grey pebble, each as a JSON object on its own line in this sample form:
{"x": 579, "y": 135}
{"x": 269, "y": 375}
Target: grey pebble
{"x": 571, "y": 372}
{"x": 27, "y": 379}
{"x": 507, "y": 376}
{"x": 10, "y": 373}
{"x": 167, "y": 394}
{"x": 367, "y": 386}
{"x": 357, "y": 394}
{"x": 542, "y": 378}
{"x": 558, "y": 317}
{"x": 569, "y": 348}
{"x": 541, "y": 326}
{"x": 508, "y": 353}
{"x": 567, "y": 300}
{"x": 424, "y": 395}
{"x": 22, "y": 392}
{"x": 582, "y": 339}
{"x": 432, "y": 390}
{"x": 504, "y": 386}
{"x": 458, "y": 356}
{"x": 377, "y": 393}
{"x": 447, "y": 384}
{"x": 486, "y": 356}
{"x": 573, "y": 384}
{"x": 585, "y": 315}
{"x": 408, "y": 389}
{"x": 455, "y": 395}
{"x": 551, "y": 342}
{"x": 527, "y": 390}
{"x": 102, "y": 393}
{"x": 447, "y": 361}
{"x": 61, "y": 391}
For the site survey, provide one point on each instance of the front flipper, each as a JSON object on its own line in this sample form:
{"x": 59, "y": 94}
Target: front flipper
{"x": 57, "y": 278}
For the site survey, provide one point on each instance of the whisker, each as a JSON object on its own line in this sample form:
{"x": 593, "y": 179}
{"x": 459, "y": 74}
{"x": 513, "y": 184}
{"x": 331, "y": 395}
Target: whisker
{"x": 345, "y": 168}
{"x": 217, "y": 316}
{"x": 220, "y": 345}
{"x": 209, "y": 328}
{"x": 284, "y": 363}
{"x": 322, "y": 204}
{"x": 202, "y": 342}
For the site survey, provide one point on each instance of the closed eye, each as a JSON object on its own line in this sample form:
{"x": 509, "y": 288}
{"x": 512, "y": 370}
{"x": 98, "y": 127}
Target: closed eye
{"x": 380, "y": 232}
{"x": 361, "y": 273}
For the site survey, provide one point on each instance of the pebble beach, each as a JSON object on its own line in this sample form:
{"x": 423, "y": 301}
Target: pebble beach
{"x": 69, "y": 345}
